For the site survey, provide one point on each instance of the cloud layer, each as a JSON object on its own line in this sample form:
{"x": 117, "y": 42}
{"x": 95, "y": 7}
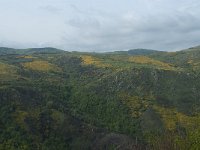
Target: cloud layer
{"x": 99, "y": 25}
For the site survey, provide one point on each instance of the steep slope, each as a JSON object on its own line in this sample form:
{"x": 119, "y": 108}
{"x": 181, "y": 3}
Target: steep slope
{"x": 188, "y": 59}
{"x": 53, "y": 99}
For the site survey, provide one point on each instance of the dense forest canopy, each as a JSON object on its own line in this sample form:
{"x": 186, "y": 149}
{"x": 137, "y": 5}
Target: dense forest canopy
{"x": 138, "y": 99}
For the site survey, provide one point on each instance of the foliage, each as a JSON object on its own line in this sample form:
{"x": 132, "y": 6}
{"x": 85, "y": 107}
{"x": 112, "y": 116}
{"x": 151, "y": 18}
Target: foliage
{"x": 51, "y": 99}
{"x": 149, "y": 61}
{"x": 39, "y": 65}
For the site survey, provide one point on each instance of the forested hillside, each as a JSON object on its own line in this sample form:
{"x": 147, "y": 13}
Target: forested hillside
{"x": 137, "y": 99}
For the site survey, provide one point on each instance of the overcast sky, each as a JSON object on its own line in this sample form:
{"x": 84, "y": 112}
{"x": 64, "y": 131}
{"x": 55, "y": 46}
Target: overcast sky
{"x": 100, "y": 25}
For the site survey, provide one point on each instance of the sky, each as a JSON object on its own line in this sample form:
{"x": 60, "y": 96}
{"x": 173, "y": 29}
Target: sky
{"x": 100, "y": 25}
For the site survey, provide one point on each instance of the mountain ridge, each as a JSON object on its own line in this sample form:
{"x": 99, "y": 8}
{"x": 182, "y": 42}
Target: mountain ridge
{"x": 137, "y": 50}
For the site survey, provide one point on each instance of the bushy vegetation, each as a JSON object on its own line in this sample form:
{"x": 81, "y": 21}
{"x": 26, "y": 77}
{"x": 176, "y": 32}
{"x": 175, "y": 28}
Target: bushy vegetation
{"x": 39, "y": 65}
{"x": 51, "y": 99}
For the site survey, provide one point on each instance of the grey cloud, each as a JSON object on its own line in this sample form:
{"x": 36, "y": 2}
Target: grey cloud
{"x": 165, "y": 32}
{"x": 161, "y": 24}
{"x": 51, "y": 9}
{"x": 83, "y": 23}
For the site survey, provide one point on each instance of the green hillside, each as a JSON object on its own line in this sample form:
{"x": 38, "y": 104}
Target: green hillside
{"x": 137, "y": 99}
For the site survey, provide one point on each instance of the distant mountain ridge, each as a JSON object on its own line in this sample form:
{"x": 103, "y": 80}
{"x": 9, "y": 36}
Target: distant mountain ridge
{"x": 5, "y": 50}
{"x": 143, "y": 52}
{"x": 138, "y": 51}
